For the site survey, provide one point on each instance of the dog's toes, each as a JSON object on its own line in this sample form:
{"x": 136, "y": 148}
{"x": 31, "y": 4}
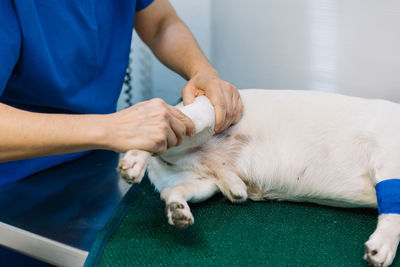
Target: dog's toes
{"x": 179, "y": 215}
{"x": 378, "y": 254}
{"x": 237, "y": 194}
{"x": 131, "y": 175}
{"x": 133, "y": 166}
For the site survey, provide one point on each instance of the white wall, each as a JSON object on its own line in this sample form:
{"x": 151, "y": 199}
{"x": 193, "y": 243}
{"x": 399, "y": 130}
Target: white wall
{"x": 346, "y": 46}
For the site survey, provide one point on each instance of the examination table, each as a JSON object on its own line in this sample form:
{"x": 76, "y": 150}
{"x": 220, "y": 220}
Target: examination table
{"x": 85, "y": 209}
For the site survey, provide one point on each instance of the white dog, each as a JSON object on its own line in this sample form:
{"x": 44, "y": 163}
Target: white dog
{"x": 289, "y": 145}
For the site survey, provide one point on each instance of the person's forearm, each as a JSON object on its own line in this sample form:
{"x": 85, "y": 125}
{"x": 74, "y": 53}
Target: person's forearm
{"x": 175, "y": 46}
{"x": 170, "y": 40}
{"x": 26, "y": 134}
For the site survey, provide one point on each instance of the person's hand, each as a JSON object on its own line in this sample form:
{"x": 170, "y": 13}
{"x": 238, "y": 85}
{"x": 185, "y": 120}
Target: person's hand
{"x": 223, "y": 96}
{"x": 152, "y": 126}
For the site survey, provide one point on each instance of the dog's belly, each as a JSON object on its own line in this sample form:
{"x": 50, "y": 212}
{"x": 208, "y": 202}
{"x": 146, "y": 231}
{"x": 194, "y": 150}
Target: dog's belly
{"x": 319, "y": 152}
{"x": 306, "y": 179}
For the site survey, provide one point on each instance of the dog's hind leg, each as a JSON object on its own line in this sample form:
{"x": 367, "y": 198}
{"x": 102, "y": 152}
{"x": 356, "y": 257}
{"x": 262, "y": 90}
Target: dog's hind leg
{"x": 380, "y": 249}
{"x": 231, "y": 186}
{"x": 176, "y": 207}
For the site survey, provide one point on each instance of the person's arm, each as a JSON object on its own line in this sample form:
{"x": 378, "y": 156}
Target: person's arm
{"x": 152, "y": 126}
{"x": 173, "y": 44}
{"x": 26, "y": 134}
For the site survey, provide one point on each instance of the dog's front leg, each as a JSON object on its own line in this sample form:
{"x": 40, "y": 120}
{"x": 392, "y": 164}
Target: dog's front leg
{"x": 201, "y": 112}
{"x": 133, "y": 166}
{"x": 134, "y": 163}
{"x": 381, "y": 248}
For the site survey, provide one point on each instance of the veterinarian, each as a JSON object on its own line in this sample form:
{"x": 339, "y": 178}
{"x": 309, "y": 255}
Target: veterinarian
{"x": 62, "y": 66}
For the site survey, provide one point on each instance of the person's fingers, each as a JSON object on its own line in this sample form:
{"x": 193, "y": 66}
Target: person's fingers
{"x": 188, "y": 94}
{"x": 224, "y": 97}
{"x": 188, "y": 124}
{"x": 217, "y": 99}
{"x": 235, "y": 108}
{"x": 172, "y": 138}
{"x": 239, "y": 111}
{"x": 157, "y": 134}
{"x": 230, "y": 106}
{"x": 179, "y": 129}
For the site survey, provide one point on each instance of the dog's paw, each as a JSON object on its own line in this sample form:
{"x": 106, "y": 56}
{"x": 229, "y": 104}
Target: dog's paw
{"x": 179, "y": 214}
{"x": 133, "y": 166}
{"x": 379, "y": 252}
{"x": 237, "y": 193}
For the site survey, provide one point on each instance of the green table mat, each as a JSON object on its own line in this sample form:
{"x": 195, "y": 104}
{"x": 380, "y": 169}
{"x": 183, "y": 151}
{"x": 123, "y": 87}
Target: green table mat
{"x": 225, "y": 234}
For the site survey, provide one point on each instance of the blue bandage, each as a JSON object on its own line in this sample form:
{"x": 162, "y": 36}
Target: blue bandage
{"x": 388, "y": 196}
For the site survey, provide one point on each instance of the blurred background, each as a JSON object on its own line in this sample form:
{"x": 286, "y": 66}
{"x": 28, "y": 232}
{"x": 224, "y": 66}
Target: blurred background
{"x": 345, "y": 46}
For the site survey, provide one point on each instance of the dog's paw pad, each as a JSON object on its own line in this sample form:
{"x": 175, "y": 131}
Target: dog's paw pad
{"x": 378, "y": 254}
{"x": 133, "y": 166}
{"x": 179, "y": 215}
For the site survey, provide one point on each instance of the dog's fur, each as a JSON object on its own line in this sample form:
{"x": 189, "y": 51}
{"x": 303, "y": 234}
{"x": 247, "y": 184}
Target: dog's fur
{"x": 289, "y": 145}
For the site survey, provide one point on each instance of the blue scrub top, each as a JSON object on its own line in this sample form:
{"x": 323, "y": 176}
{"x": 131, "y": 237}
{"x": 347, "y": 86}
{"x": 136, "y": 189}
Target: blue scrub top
{"x": 64, "y": 56}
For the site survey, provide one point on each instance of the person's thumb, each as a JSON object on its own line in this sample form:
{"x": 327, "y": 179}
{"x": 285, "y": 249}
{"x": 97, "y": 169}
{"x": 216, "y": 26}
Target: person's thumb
{"x": 188, "y": 94}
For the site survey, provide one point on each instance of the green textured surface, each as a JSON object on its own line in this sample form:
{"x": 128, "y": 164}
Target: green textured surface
{"x": 249, "y": 234}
